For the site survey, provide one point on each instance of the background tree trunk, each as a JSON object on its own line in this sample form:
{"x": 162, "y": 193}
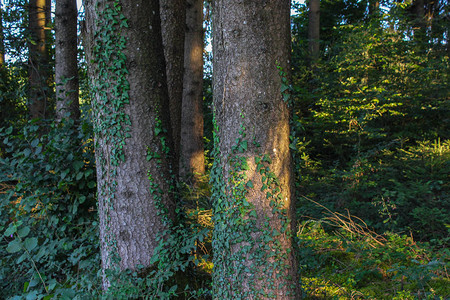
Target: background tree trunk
{"x": 39, "y": 61}
{"x": 131, "y": 112}
{"x": 192, "y": 149}
{"x": 173, "y": 16}
{"x": 419, "y": 24}
{"x": 374, "y": 7}
{"x": 2, "y": 45}
{"x": 314, "y": 30}
{"x": 66, "y": 70}
{"x": 252, "y": 177}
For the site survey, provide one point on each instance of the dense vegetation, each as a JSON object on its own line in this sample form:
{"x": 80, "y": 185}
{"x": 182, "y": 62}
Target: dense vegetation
{"x": 371, "y": 140}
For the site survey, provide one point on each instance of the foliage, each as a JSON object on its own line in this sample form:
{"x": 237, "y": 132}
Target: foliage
{"x": 342, "y": 259}
{"x": 376, "y": 130}
{"x": 48, "y": 221}
{"x": 370, "y": 129}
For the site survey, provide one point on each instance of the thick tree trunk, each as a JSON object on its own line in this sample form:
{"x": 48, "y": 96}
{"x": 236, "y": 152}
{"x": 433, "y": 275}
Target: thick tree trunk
{"x": 66, "y": 70}
{"x": 252, "y": 176}
{"x": 131, "y": 114}
{"x": 314, "y": 30}
{"x": 173, "y": 15}
{"x": 192, "y": 149}
{"x": 39, "y": 62}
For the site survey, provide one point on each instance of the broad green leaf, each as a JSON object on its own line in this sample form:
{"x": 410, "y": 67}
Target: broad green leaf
{"x": 10, "y": 231}
{"x": 30, "y": 243}
{"x": 14, "y": 246}
{"x": 78, "y": 165}
{"x": 21, "y": 258}
{"x": 23, "y": 232}
{"x": 34, "y": 143}
{"x": 27, "y": 152}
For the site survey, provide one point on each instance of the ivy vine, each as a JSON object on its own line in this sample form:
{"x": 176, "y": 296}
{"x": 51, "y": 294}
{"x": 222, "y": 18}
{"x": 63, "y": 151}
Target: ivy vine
{"x": 110, "y": 90}
{"x": 246, "y": 244}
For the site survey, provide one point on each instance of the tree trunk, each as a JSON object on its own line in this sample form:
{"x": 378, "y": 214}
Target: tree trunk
{"x": 173, "y": 15}
{"x": 39, "y": 61}
{"x": 192, "y": 150}
{"x": 419, "y": 24}
{"x": 252, "y": 174}
{"x": 66, "y": 70}
{"x": 374, "y": 8}
{"x": 2, "y": 45}
{"x": 131, "y": 113}
{"x": 313, "y": 30}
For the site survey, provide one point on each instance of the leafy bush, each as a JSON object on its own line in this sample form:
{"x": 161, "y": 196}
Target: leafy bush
{"x": 48, "y": 211}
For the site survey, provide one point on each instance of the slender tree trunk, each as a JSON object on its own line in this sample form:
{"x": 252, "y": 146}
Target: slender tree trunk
{"x": 131, "y": 113}
{"x": 252, "y": 176}
{"x": 173, "y": 15}
{"x": 39, "y": 69}
{"x": 374, "y": 8}
{"x": 2, "y": 45}
{"x": 419, "y": 24}
{"x": 66, "y": 70}
{"x": 314, "y": 30}
{"x": 192, "y": 149}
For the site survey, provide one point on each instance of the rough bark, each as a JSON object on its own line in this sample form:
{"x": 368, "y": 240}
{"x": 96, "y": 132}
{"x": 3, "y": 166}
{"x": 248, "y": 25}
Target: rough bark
{"x": 192, "y": 150}
{"x": 131, "y": 114}
{"x": 39, "y": 68}
{"x": 252, "y": 176}
{"x": 66, "y": 70}
{"x": 314, "y": 30}
{"x": 173, "y": 15}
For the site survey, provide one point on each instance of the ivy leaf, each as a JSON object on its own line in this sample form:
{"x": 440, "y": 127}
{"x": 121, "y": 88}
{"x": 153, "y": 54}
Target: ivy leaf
{"x": 34, "y": 143}
{"x": 10, "y": 231}
{"x": 250, "y": 184}
{"x": 27, "y": 152}
{"x": 14, "y": 246}
{"x": 77, "y": 165}
{"x": 21, "y": 258}
{"x": 30, "y": 243}
{"x": 23, "y": 232}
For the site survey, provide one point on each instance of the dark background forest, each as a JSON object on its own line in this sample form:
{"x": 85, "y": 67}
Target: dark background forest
{"x": 370, "y": 141}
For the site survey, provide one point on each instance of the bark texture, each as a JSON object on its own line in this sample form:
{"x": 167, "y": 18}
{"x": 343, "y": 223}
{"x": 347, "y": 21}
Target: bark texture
{"x": 132, "y": 168}
{"x": 314, "y": 30}
{"x": 252, "y": 176}
{"x": 173, "y": 16}
{"x": 66, "y": 70}
{"x": 39, "y": 60}
{"x": 192, "y": 150}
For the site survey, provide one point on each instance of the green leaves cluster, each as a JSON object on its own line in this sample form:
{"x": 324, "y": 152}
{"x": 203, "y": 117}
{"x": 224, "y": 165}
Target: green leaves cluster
{"x": 47, "y": 212}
